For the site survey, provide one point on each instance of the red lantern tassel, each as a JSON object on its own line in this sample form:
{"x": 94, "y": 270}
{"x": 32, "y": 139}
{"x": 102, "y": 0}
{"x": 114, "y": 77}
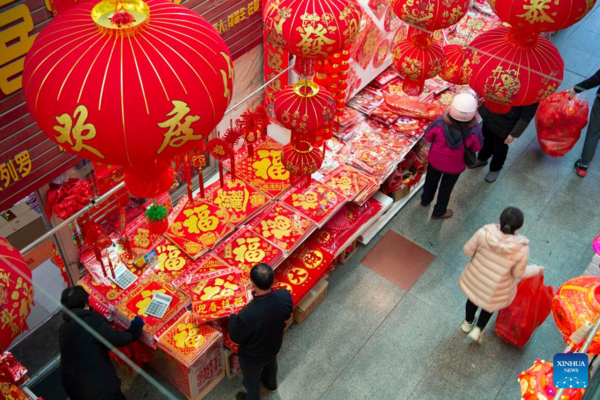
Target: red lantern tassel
{"x": 188, "y": 177}
{"x": 250, "y": 150}
{"x": 221, "y": 175}
{"x": 111, "y": 267}
{"x": 127, "y": 244}
{"x": 233, "y": 167}
{"x": 98, "y": 254}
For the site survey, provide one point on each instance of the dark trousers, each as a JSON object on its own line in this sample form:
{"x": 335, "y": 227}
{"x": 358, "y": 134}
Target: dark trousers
{"x": 432, "y": 180}
{"x": 494, "y": 147}
{"x": 592, "y": 136}
{"x": 253, "y": 374}
{"x": 484, "y": 316}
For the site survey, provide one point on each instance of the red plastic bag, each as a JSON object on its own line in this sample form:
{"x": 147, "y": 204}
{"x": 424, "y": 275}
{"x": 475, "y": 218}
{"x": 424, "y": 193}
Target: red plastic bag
{"x": 559, "y": 121}
{"x": 532, "y": 305}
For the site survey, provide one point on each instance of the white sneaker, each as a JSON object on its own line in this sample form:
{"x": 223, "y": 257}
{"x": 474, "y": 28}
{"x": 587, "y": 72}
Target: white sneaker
{"x": 476, "y": 335}
{"x": 467, "y": 326}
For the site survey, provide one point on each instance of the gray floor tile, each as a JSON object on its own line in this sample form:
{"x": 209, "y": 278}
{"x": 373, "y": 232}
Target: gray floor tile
{"x": 577, "y": 61}
{"x": 382, "y": 371}
{"x": 575, "y": 215}
{"x": 540, "y": 167}
{"x": 330, "y": 335}
{"x": 417, "y": 328}
{"x": 343, "y": 392}
{"x": 377, "y": 295}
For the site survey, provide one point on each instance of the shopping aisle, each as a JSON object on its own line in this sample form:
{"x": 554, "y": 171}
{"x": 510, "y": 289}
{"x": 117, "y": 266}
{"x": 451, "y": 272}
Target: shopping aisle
{"x": 372, "y": 340}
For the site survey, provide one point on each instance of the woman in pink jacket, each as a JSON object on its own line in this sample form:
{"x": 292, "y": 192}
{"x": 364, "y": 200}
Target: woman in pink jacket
{"x": 447, "y": 154}
{"x": 499, "y": 256}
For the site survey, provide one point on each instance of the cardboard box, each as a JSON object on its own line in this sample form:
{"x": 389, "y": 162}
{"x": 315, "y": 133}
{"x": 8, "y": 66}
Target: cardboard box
{"x": 310, "y": 302}
{"x": 232, "y": 364}
{"x": 289, "y": 322}
{"x": 24, "y": 228}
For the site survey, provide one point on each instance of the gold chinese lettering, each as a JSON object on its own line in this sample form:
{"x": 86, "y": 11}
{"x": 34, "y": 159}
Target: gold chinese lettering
{"x": 249, "y": 250}
{"x": 188, "y": 336}
{"x": 8, "y": 174}
{"x": 536, "y": 11}
{"x": 233, "y": 200}
{"x": 170, "y": 258}
{"x": 219, "y": 290}
{"x": 227, "y": 76}
{"x": 313, "y": 40}
{"x": 279, "y": 227}
{"x": 23, "y": 160}
{"x": 269, "y": 166}
{"x": 199, "y": 219}
{"x": 179, "y": 127}
{"x": 74, "y": 136}
{"x": 308, "y": 201}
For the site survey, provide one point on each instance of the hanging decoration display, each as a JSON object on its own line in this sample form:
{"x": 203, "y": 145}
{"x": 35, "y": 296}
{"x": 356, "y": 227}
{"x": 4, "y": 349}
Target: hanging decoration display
{"x": 253, "y": 125}
{"x": 199, "y": 162}
{"x": 123, "y": 88}
{"x": 512, "y": 67}
{"x": 576, "y": 302}
{"x": 537, "y": 383}
{"x": 16, "y": 293}
{"x": 301, "y": 159}
{"x": 430, "y": 15}
{"x": 311, "y": 30}
{"x": 417, "y": 58}
{"x": 221, "y": 150}
{"x": 454, "y": 65}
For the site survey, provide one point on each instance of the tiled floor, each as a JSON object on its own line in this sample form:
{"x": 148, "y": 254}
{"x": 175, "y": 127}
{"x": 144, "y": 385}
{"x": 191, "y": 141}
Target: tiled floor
{"x": 372, "y": 340}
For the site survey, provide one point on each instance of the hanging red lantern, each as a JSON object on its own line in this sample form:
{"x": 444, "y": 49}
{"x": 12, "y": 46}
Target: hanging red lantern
{"x": 311, "y": 30}
{"x": 430, "y": 15}
{"x": 16, "y": 293}
{"x": 148, "y": 181}
{"x": 537, "y": 383}
{"x": 128, "y": 93}
{"x": 454, "y": 61}
{"x": 547, "y": 16}
{"x": 417, "y": 58}
{"x": 301, "y": 158}
{"x": 511, "y": 67}
{"x": 304, "y": 107}
{"x": 576, "y": 302}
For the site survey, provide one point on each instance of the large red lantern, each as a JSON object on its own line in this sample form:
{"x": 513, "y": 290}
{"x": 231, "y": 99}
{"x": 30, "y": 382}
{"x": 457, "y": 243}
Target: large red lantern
{"x": 576, "y": 302}
{"x": 305, "y": 108}
{"x": 128, "y": 91}
{"x": 301, "y": 158}
{"x": 537, "y": 383}
{"x": 417, "y": 58}
{"x": 454, "y": 71}
{"x": 430, "y": 15}
{"x": 16, "y": 294}
{"x": 542, "y": 15}
{"x": 512, "y": 67}
{"x": 311, "y": 29}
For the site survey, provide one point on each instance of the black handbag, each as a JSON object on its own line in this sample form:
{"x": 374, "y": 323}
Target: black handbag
{"x": 470, "y": 156}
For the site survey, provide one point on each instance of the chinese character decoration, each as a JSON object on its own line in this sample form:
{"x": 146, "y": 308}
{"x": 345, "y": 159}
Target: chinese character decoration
{"x": 16, "y": 294}
{"x": 348, "y": 181}
{"x": 253, "y": 125}
{"x": 417, "y": 58}
{"x": 133, "y": 107}
{"x": 316, "y": 201}
{"x": 221, "y": 150}
{"x": 67, "y": 198}
{"x": 430, "y": 15}
{"x": 503, "y": 67}
{"x": 14, "y": 170}
{"x": 158, "y": 223}
{"x": 537, "y": 383}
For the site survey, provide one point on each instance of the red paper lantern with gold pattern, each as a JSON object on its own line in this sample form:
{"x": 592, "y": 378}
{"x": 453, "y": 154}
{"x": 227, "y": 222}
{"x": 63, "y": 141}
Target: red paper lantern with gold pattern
{"x": 537, "y": 383}
{"x": 511, "y": 67}
{"x": 16, "y": 294}
{"x": 454, "y": 62}
{"x": 311, "y": 29}
{"x": 430, "y": 15}
{"x": 301, "y": 158}
{"x": 417, "y": 58}
{"x": 305, "y": 108}
{"x": 576, "y": 302}
{"x": 542, "y": 15}
{"x": 128, "y": 93}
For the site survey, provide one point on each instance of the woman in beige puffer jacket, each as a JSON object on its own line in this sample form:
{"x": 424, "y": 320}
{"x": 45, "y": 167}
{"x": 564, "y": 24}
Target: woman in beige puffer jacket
{"x": 499, "y": 258}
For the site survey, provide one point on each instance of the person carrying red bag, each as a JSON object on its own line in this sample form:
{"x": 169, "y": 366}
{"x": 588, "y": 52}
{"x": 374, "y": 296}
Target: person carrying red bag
{"x": 499, "y": 256}
{"x": 593, "y": 132}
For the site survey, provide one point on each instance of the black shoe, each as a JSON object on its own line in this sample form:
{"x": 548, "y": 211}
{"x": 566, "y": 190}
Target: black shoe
{"x": 425, "y": 204}
{"x": 268, "y": 388}
{"x": 240, "y": 396}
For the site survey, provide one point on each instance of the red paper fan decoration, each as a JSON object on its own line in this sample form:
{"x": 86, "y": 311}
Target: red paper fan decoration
{"x": 301, "y": 158}
{"x": 417, "y": 58}
{"x": 430, "y": 15}
{"x": 453, "y": 71}
{"x": 311, "y": 29}
{"x": 305, "y": 108}
{"x": 542, "y": 15}
{"x": 511, "y": 67}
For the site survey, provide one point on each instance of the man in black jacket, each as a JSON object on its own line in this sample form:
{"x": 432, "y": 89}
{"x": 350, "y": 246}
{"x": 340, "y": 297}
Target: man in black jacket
{"x": 593, "y": 132}
{"x": 87, "y": 373}
{"x": 258, "y": 329}
{"x": 499, "y": 130}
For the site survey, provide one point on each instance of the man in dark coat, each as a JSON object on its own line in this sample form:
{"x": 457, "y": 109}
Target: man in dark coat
{"x": 593, "y": 131}
{"x": 499, "y": 130}
{"x": 258, "y": 329}
{"x": 87, "y": 373}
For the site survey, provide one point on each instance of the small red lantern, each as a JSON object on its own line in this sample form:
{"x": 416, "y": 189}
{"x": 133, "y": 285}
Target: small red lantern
{"x": 537, "y": 383}
{"x": 304, "y": 107}
{"x": 16, "y": 293}
{"x": 542, "y": 16}
{"x": 576, "y": 302}
{"x": 453, "y": 71}
{"x": 148, "y": 181}
{"x": 311, "y": 29}
{"x": 430, "y": 15}
{"x": 157, "y": 218}
{"x": 301, "y": 158}
{"x": 417, "y": 58}
{"x": 512, "y": 67}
